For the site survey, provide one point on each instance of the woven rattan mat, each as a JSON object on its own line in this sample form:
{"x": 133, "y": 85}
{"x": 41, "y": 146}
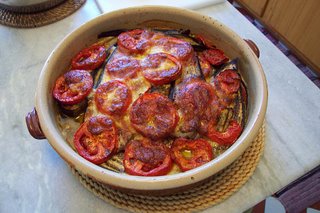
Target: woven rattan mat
{"x": 31, "y": 20}
{"x": 218, "y": 188}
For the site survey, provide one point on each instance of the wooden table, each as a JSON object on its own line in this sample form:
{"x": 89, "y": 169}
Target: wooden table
{"x": 33, "y": 178}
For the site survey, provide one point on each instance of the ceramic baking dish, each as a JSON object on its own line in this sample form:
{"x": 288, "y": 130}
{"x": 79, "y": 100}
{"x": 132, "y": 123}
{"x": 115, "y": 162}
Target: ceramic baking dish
{"x": 42, "y": 121}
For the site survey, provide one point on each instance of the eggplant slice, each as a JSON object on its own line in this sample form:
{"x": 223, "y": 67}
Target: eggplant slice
{"x": 74, "y": 110}
{"x": 111, "y": 33}
{"x": 98, "y": 76}
{"x": 231, "y": 65}
{"x": 237, "y": 109}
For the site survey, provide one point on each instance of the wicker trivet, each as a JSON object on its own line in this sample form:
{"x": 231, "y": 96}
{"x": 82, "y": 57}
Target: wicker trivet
{"x": 37, "y": 19}
{"x": 218, "y": 188}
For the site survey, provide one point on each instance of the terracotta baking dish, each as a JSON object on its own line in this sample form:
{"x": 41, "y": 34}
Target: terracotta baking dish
{"x": 42, "y": 122}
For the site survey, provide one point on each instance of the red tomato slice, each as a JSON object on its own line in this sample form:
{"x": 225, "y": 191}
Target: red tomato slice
{"x": 194, "y": 100}
{"x": 189, "y": 154}
{"x": 135, "y": 41}
{"x": 227, "y": 137}
{"x": 153, "y": 115}
{"x": 96, "y": 139}
{"x": 161, "y": 68}
{"x": 124, "y": 67}
{"x": 216, "y": 57}
{"x": 204, "y": 41}
{"x": 204, "y": 65}
{"x": 89, "y": 58}
{"x": 145, "y": 158}
{"x": 180, "y": 49}
{"x": 113, "y": 97}
{"x": 73, "y": 87}
{"x": 229, "y": 81}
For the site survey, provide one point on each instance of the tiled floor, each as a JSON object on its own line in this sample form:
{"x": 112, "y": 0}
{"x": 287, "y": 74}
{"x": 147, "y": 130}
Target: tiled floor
{"x": 305, "y": 69}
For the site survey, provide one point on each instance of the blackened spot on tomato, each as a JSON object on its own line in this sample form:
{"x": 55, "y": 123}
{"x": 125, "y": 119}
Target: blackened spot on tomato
{"x": 97, "y": 125}
{"x": 73, "y": 77}
{"x": 152, "y": 156}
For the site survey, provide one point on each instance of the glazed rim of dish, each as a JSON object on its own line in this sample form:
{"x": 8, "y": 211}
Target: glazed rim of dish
{"x": 45, "y": 108}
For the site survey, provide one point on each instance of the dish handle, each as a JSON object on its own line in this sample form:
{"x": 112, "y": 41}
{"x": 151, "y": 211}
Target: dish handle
{"x": 33, "y": 124}
{"x": 253, "y": 47}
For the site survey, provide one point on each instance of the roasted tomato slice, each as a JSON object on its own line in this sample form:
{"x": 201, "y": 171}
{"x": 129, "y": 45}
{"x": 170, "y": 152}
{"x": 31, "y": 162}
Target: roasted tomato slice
{"x": 145, "y": 158}
{"x": 72, "y": 87}
{"x": 96, "y": 139}
{"x": 204, "y": 41}
{"x": 161, "y": 68}
{"x": 229, "y": 81}
{"x": 205, "y": 66}
{"x": 189, "y": 154}
{"x": 216, "y": 57}
{"x": 182, "y": 50}
{"x": 113, "y": 97}
{"x": 123, "y": 67}
{"x": 194, "y": 100}
{"x": 153, "y": 115}
{"x": 135, "y": 41}
{"x": 228, "y": 137}
{"x": 89, "y": 58}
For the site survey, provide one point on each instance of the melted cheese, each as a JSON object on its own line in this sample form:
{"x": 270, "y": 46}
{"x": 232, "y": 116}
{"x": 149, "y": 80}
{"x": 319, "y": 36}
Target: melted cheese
{"x": 138, "y": 86}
